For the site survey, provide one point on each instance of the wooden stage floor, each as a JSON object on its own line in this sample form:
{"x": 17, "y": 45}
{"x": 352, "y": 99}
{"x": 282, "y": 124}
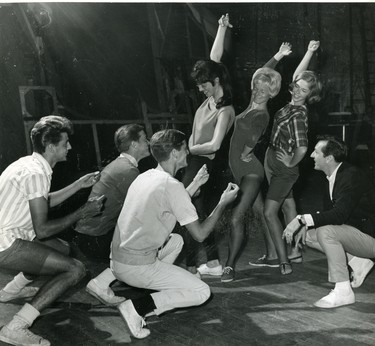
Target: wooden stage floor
{"x": 261, "y": 307}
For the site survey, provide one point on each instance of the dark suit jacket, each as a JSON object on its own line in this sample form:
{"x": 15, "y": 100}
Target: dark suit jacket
{"x": 353, "y": 201}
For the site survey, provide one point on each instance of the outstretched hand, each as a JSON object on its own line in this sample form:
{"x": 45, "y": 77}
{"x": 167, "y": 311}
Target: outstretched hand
{"x": 202, "y": 176}
{"x": 224, "y": 21}
{"x": 285, "y": 48}
{"x": 89, "y": 180}
{"x": 313, "y": 45}
{"x": 229, "y": 194}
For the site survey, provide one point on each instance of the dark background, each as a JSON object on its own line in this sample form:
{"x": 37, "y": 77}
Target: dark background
{"x": 103, "y": 59}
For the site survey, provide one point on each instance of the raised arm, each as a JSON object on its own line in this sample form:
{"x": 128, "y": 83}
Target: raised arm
{"x": 303, "y": 65}
{"x": 217, "y": 49}
{"x": 284, "y": 50}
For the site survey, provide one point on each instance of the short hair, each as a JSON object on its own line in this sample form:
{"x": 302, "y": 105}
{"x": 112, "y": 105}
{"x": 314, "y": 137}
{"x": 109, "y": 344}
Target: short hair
{"x": 315, "y": 85}
{"x": 163, "y": 142}
{"x": 335, "y": 147}
{"x": 206, "y": 71}
{"x": 268, "y": 76}
{"x": 125, "y": 135}
{"x": 48, "y": 130}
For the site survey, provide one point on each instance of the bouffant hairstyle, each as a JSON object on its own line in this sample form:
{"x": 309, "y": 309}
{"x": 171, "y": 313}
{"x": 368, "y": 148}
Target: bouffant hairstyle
{"x": 268, "y": 76}
{"x": 206, "y": 71}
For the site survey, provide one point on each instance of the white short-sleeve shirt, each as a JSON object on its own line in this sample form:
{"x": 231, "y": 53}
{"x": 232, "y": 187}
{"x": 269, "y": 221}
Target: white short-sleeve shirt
{"x": 154, "y": 203}
{"x": 23, "y": 180}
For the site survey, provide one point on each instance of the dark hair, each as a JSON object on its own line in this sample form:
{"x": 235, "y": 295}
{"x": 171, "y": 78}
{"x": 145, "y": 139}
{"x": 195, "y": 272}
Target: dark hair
{"x": 48, "y": 130}
{"x": 335, "y": 147}
{"x": 163, "y": 142}
{"x": 315, "y": 85}
{"x": 206, "y": 71}
{"x": 125, "y": 135}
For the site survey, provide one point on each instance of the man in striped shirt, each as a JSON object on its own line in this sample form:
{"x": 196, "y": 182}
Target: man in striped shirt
{"x": 27, "y": 237}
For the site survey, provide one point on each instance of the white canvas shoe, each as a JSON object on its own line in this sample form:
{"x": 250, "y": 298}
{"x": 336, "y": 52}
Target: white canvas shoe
{"x": 134, "y": 322}
{"x": 205, "y": 270}
{"x": 106, "y": 296}
{"x": 361, "y": 267}
{"x": 22, "y": 336}
{"x": 335, "y": 299}
{"x": 25, "y": 292}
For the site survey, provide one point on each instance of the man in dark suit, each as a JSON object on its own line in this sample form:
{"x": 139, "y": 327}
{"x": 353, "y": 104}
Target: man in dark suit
{"x": 343, "y": 229}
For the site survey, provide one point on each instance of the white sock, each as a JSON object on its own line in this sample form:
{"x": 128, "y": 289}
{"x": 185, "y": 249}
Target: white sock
{"x": 105, "y": 278}
{"x": 17, "y": 284}
{"x": 25, "y": 317}
{"x": 343, "y": 286}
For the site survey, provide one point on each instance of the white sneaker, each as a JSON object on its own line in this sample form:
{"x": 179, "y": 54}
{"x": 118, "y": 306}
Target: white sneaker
{"x": 22, "y": 336}
{"x": 106, "y": 296}
{"x": 25, "y": 292}
{"x": 134, "y": 322}
{"x": 361, "y": 267}
{"x": 216, "y": 271}
{"x": 335, "y": 299}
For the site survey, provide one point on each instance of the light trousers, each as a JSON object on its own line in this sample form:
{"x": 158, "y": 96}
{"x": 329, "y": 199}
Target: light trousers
{"x": 177, "y": 287}
{"x": 340, "y": 243}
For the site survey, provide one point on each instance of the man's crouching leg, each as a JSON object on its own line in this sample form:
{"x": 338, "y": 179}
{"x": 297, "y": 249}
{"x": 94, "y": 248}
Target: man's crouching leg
{"x": 134, "y": 311}
{"x": 177, "y": 288}
{"x": 18, "y": 287}
{"x": 171, "y": 248}
{"x": 65, "y": 272}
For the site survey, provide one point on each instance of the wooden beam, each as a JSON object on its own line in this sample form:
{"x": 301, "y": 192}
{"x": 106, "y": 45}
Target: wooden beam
{"x": 155, "y": 44}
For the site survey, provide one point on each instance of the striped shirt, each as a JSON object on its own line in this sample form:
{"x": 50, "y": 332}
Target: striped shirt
{"x": 24, "y": 180}
{"x": 289, "y": 129}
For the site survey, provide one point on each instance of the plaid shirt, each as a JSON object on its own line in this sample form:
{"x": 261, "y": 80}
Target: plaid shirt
{"x": 26, "y": 179}
{"x": 289, "y": 129}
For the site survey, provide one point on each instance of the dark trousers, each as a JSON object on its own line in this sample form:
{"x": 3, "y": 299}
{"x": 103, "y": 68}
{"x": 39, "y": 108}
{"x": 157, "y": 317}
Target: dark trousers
{"x": 96, "y": 247}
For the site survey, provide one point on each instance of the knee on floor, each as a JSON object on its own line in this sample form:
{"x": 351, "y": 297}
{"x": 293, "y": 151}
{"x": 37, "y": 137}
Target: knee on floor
{"x": 203, "y": 294}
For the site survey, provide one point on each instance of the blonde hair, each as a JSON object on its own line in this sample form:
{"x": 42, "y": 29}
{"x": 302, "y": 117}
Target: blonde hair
{"x": 315, "y": 85}
{"x": 268, "y": 76}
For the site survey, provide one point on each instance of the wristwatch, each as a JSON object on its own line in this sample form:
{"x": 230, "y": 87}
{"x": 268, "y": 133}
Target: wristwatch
{"x": 300, "y": 220}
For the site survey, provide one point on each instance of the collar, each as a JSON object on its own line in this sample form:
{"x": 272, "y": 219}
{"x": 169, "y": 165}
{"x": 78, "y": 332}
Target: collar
{"x": 292, "y": 105}
{"x": 45, "y": 165}
{"x": 132, "y": 159}
{"x": 332, "y": 177}
{"x": 161, "y": 169}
